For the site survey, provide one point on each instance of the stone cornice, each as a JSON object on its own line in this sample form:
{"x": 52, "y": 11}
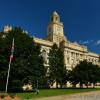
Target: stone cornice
{"x": 42, "y": 42}
{"x": 57, "y": 23}
{"x": 75, "y": 46}
{"x": 93, "y": 54}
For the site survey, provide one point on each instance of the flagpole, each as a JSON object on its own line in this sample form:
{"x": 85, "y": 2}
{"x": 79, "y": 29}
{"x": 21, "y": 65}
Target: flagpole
{"x": 8, "y": 75}
{"x": 12, "y": 50}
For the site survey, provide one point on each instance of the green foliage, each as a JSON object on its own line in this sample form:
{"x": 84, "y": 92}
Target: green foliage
{"x": 27, "y": 65}
{"x": 84, "y": 73}
{"x": 57, "y": 69}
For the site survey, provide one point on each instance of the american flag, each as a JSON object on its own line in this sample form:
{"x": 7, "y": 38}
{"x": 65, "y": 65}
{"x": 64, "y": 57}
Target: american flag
{"x": 12, "y": 50}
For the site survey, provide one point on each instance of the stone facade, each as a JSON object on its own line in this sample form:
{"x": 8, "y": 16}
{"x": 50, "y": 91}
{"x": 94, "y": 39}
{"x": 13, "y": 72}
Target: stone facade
{"x": 5, "y": 30}
{"x": 73, "y": 52}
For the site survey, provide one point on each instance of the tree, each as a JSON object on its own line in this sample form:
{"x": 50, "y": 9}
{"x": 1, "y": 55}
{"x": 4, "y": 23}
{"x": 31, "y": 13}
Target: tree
{"x": 72, "y": 77}
{"x": 94, "y": 73}
{"x": 84, "y": 73}
{"x": 27, "y": 65}
{"x": 57, "y": 70}
{"x": 3, "y": 63}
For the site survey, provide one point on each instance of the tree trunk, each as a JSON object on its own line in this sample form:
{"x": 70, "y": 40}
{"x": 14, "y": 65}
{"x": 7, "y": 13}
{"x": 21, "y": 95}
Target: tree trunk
{"x": 61, "y": 85}
{"x": 56, "y": 84}
{"x": 93, "y": 85}
{"x": 81, "y": 85}
{"x": 87, "y": 85}
{"x": 74, "y": 85}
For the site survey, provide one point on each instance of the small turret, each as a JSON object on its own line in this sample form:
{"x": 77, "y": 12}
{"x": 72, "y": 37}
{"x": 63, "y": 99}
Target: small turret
{"x": 7, "y": 28}
{"x": 55, "y": 17}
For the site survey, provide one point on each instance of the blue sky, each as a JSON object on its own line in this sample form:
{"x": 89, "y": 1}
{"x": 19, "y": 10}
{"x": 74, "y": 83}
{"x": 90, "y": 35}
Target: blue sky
{"x": 81, "y": 18}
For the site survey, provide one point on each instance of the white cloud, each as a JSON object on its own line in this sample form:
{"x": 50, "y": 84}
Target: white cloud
{"x": 90, "y": 42}
{"x": 86, "y": 41}
{"x": 98, "y": 42}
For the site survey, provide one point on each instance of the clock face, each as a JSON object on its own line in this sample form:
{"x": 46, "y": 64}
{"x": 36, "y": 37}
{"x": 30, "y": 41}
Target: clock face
{"x": 58, "y": 29}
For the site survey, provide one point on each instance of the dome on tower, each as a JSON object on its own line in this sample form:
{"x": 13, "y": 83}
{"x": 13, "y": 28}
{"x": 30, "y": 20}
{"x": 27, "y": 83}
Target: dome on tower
{"x": 55, "y": 13}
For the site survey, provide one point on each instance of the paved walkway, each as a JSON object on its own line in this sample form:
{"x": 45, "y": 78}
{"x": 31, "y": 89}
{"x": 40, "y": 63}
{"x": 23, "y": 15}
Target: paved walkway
{"x": 94, "y": 95}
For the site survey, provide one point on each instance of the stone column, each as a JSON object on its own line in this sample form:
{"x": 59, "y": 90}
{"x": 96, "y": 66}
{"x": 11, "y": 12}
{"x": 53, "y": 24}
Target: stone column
{"x": 69, "y": 57}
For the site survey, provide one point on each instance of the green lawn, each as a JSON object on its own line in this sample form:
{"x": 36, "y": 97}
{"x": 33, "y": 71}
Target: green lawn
{"x": 52, "y": 92}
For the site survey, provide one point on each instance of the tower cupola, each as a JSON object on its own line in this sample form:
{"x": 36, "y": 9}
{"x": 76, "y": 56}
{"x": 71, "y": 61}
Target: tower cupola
{"x": 55, "y": 29}
{"x": 55, "y": 17}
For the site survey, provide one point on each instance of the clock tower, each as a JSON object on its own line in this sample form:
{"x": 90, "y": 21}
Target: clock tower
{"x": 55, "y": 29}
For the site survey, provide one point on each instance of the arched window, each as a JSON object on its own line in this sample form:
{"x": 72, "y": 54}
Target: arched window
{"x": 56, "y": 18}
{"x": 44, "y": 54}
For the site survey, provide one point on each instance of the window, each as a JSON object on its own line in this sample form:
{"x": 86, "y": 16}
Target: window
{"x": 56, "y": 18}
{"x": 68, "y": 60}
{"x": 44, "y": 54}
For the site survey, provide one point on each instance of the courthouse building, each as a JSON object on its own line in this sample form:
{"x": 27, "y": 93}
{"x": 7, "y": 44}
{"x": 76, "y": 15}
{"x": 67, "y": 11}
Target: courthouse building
{"x": 73, "y": 52}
